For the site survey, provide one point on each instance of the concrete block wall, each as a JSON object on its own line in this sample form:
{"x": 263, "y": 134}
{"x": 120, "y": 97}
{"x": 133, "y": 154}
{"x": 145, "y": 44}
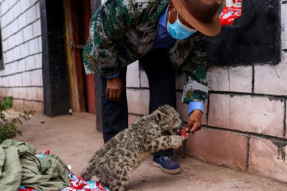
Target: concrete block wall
{"x": 244, "y": 124}
{"x": 21, "y": 77}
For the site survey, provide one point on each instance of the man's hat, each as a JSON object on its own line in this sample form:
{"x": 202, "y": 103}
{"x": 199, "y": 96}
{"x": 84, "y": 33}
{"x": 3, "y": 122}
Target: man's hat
{"x": 201, "y": 14}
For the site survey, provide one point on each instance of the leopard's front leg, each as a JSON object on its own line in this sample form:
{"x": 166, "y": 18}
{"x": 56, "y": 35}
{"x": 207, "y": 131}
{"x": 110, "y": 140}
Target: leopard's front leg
{"x": 165, "y": 142}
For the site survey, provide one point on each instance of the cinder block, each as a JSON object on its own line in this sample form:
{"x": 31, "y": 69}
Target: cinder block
{"x": 37, "y": 78}
{"x": 217, "y": 78}
{"x": 31, "y": 15}
{"x": 182, "y": 109}
{"x": 38, "y": 107}
{"x": 30, "y": 63}
{"x": 133, "y": 76}
{"x": 133, "y": 118}
{"x": 24, "y": 49}
{"x": 240, "y": 79}
{"x": 219, "y": 111}
{"x": 144, "y": 80}
{"x": 267, "y": 158}
{"x": 26, "y": 77}
{"x": 28, "y": 33}
{"x": 32, "y": 94}
{"x": 219, "y": 147}
{"x": 180, "y": 82}
{"x": 33, "y": 46}
{"x": 40, "y": 94}
{"x": 138, "y": 101}
{"x": 24, "y": 4}
{"x": 248, "y": 114}
{"x": 37, "y": 28}
{"x": 23, "y": 93}
{"x": 284, "y": 25}
{"x": 271, "y": 79}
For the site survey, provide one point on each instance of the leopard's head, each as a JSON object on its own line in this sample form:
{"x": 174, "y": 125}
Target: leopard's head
{"x": 168, "y": 119}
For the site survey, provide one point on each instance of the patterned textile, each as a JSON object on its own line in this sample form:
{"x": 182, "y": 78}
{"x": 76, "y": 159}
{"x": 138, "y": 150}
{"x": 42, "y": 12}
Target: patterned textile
{"x": 123, "y": 31}
{"x": 77, "y": 183}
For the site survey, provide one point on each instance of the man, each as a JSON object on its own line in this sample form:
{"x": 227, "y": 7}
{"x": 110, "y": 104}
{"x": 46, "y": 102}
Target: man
{"x": 166, "y": 36}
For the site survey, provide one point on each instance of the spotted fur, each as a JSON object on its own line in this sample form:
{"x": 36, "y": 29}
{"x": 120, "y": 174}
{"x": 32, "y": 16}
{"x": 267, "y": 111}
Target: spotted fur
{"x": 114, "y": 162}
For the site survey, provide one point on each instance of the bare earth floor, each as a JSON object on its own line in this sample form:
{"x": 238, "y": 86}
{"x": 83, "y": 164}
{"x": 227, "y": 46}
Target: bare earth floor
{"x": 74, "y": 139}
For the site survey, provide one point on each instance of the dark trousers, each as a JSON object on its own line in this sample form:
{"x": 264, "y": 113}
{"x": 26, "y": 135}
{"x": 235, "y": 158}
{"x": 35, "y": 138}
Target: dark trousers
{"x": 161, "y": 77}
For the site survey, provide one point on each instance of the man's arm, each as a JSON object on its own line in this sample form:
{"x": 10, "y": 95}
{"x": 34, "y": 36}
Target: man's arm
{"x": 195, "y": 92}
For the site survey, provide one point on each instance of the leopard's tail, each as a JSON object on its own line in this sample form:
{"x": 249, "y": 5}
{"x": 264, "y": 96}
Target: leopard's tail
{"x": 87, "y": 173}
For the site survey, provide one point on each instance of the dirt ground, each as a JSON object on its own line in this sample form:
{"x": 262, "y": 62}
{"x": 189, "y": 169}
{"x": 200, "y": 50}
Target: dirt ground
{"x": 74, "y": 139}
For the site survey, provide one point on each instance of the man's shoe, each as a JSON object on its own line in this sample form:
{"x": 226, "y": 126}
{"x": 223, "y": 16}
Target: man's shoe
{"x": 166, "y": 164}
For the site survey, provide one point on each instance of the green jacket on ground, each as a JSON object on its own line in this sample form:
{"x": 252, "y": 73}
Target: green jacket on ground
{"x": 19, "y": 166}
{"x": 123, "y": 31}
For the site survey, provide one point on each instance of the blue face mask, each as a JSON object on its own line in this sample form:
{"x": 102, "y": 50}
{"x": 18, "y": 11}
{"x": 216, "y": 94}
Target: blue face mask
{"x": 178, "y": 30}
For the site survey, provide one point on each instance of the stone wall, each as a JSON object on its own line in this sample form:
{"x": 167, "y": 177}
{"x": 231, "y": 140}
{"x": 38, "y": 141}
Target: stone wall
{"x": 21, "y": 77}
{"x": 244, "y": 124}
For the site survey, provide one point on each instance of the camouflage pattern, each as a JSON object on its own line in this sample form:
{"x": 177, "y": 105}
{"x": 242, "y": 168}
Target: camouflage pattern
{"x": 122, "y": 31}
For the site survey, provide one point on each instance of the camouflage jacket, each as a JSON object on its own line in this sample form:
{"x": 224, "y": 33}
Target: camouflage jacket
{"x": 122, "y": 31}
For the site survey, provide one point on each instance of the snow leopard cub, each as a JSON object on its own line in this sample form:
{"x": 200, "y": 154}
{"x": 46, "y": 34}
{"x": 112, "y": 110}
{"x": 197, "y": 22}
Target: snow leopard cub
{"x": 113, "y": 163}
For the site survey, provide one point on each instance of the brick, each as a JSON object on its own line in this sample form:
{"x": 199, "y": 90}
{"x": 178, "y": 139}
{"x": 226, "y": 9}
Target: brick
{"x": 37, "y": 28}
{"x": 40, "y": 44}
{"x": 32, "y": 93}
{"x": 18, "y": 80}
{"x": 144, "y": 80}
{"x": 19, "y": 38}
{"x": 138, "y": 101}
{"x": 182, "y": 109}
{"x": 38, "y": 107}
{"x": 217, "y": 78}
{"x": 219, "y": 147}
{"x": 37, "y": 78}
{"x": 34, "y": 46}
{"x": 22, "y": 20}
{"x": 26, "y": 77}
{"x": 239, "y": 113}
{"x": 30, "y": 63}
{"x": 15, "y": 92}
{"x": 16, "y": 53}
{"x": 180, "y": 82}
{"x": 38, "y": 14}
{"x": 22, "y": 65}
{"x": 23, "y": 93}
{"x": 133, "y": 118}
{"x": 284, "y": 26}
{"x": 267, "y": 158}
{"x": 271, "y": 79}
{"x": 31, "y": 15}
{"x": 24, "y": 49}
{"x": 38, "y": 60}
{"x": 40, "y": 94}
{"x": 219, "y": 111}
{"x": 133, "y": 77}
{"x": 28, "y": 33}
{"x": 16, "y": 9}
{"x": 25, "y": 4}
{"x": 240, "y": 79}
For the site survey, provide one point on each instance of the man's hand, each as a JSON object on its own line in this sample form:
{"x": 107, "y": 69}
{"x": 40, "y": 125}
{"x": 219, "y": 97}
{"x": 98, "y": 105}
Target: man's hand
{"x": 194, "y": 121}
{"x": 114, "y": 89}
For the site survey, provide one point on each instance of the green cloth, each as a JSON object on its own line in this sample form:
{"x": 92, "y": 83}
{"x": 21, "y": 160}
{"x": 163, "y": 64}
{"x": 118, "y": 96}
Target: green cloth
{"x": 20, "y": 166}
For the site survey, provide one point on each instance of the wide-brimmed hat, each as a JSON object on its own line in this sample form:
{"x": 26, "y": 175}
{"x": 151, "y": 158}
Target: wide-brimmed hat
{"x": 201, "y": 14}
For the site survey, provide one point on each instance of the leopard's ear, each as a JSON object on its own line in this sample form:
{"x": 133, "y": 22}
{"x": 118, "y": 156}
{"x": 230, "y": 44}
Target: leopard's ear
{"x": 159, "y": 115}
